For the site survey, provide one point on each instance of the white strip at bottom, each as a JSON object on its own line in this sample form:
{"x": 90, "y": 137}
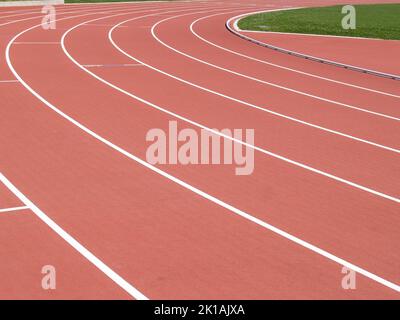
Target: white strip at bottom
{"x": 14, "y": 209}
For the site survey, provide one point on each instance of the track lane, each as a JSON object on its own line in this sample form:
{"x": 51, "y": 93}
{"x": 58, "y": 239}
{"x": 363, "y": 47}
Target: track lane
{"x": 207, "y": 29}
{"x": 27, "y": 245}
{"x": 272, "y": 129}
{"x": 231, "y": 293}
{"x": 26, "y": 288}
{"x": 112, "y": 218}
{"x": 76, "y": 245}
{"x": 279, "y": 67}
{"x": 237, "y": 44}
{"x": 118, "y": 74}
{"x": 253, "y": 94}
{"x": 7, "y": 29}
{"x": 65, "y": 103}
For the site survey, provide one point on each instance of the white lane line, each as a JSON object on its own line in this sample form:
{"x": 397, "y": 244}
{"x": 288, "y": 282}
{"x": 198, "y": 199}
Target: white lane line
{"x": 23, "y": 11}
{"x": 135, "y": 293}
{"x": 112, "y": 65}
{"x": 20, "y": 14}
{"x": 14, "y": 209}
{"x": 283, "y": 67}
{"x": 152, "y": 105}
{"x": 99, "y": 10}
{"x": 41, "y": 16}
{"x": 244, "y": 102}
{"x": 267, "y": 82}
{"x": 189, "y": 187}
{"x": 102, "y": 25}
{"x": 122, "y": 2}
{"x": 36, "y": 42}
{"x": 8, "y": 81}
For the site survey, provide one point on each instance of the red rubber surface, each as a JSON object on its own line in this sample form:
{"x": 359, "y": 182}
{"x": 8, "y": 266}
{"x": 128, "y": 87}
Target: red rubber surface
{"x": 165, "y": 240}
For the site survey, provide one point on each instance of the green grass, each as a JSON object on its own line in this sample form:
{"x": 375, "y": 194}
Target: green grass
{"x": 372, "y": 21}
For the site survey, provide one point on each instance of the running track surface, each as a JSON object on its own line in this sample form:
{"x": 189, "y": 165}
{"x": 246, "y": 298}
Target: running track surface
{"x": 76, "y": 104}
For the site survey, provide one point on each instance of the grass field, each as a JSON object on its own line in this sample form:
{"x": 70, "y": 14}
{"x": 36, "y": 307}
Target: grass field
{"x": 372, "y": 21}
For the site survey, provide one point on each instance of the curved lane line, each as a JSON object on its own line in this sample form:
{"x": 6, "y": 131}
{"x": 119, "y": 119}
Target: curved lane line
{"x": 152, "y": 105}
{"x": 135, "y": 293}
{"x": 241, "y": 101}
{"x": 274, "y": 84}
{"x": 185, "y": 185}
{"x": 281, "y": 66}
{"x": 235, "y": 30}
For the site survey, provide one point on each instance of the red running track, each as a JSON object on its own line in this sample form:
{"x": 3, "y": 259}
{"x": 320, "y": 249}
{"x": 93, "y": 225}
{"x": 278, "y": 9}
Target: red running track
{"x": 77, "y": 103}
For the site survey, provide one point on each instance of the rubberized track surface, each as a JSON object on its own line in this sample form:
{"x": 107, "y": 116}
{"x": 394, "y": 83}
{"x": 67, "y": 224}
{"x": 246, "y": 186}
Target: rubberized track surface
{"x": 76, "y": 104}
